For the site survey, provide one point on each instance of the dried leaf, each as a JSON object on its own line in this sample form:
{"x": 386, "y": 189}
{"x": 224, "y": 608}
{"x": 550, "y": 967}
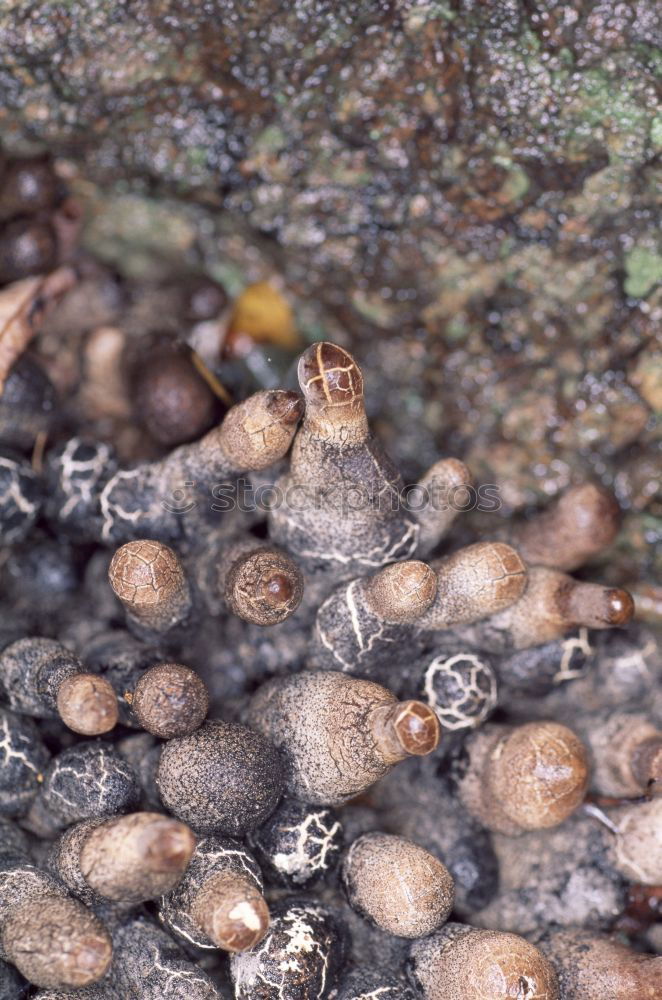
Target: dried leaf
{"x": 23, "y": 306}
{"x": 261, "y": 315}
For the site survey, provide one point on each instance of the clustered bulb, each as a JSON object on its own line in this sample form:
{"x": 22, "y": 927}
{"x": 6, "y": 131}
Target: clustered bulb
{"x": 461, "y": 962}
{"x": 460, "y": 685}
{"x": 223, "y": 778}
{"x": 524, "y": 778}
{"x": 150, "y": 581}
{"x": 338, "y": 734}
{"x": 164, "y": 698}
{"x": 440, "y": 501}
{"x": 398, "y": 885}
{"x": 218, "y": 903}
{"x": 128, "y": 859}
{"x": 42, "y": 678}
{"x": 475, "y": 582}
{"x": 148, "y": 963}
{"x": 51, "y": 938}
{"x": 357, "y": 529}
{"x": 331, "y": 730}
{"x": 592, "y": 966}
{"x": 170, "y": 700}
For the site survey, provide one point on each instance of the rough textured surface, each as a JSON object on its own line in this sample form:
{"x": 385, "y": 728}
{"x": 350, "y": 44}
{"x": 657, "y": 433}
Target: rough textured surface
{"x": 371, "y": 984}
{"x": 150, "y": 581}
{"x": 53, "y": 940}
{"x": 463, "y": 963}
{"x": 321, "y": 722}
{"x": 361, "y": 627}
{"x": 224, "y": 778}
{"x": 625, "y": 672}
{"x": 594, "y": 967}
{"x": 482, "y": 176}
{"x": 31, "y": 672}
{"x": 149, "y": 964}
{"x": 89, "y": 780}
{"x": 299, "y": 844}
{"x": 339, "y": 473}
{"x": 129, "y": 858}
{"x": 170, "y": 700}
{"x": 398, "y": 885}
{"x": 23, "y": 761}
{"x": 299, "y": 959}
{"x": 57, "y": 942}
{"x": 213, "y": 856}
{"x": 525, "y": 778}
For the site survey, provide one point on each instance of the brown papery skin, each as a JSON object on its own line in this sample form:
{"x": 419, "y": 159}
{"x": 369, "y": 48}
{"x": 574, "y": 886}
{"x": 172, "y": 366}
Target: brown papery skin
{"x": 401, "y": 593}
{"x": 87, "y": 704}
{"x": 405, "y": 729}
{"x": 398, "y": 885}
{"x": 340, "y": 734}
{"x": 263, "y": 586}
{"x": 579, "y": 525}
{"x": 552, "y": 604}
{"x": 170, "y": 700}
{"x": 57, "y": 943}
{"x": 463, "y": 963}
{"x": 137, "y": 857}
{"x": 232, "y": 912}
{"x": 148, "y": 578}
{"x": 474, "y": 582}
{"x": 332, "y": 385}
{"x": 593, "y": 967}
{"x": 525, "y": 778}
{"x": 257, "y": 432}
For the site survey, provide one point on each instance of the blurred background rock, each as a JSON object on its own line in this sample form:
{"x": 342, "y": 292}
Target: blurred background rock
{"x": 466, "y": 194}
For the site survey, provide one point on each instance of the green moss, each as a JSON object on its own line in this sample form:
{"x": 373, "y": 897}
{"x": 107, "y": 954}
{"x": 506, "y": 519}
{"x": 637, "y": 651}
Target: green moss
{"x": 616, "y": 107}
{"x": 644, "y": 269}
